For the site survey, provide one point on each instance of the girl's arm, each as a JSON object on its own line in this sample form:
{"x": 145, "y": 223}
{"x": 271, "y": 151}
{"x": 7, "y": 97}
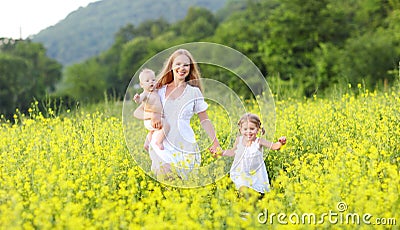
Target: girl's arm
{"x": 231, "y": 152}
{"x": 271, "y": 145}
{"x": 208, "y": 127}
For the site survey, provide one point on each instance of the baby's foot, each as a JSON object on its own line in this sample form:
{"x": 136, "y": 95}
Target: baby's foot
{"x": 160, "y": 145}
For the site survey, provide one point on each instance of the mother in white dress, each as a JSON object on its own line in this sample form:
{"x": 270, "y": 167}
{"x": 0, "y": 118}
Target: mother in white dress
{"x": 180, "y": 91}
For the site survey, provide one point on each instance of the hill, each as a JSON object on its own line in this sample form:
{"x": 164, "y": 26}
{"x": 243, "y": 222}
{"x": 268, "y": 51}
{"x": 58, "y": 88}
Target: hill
{"x": 90, "y": 30}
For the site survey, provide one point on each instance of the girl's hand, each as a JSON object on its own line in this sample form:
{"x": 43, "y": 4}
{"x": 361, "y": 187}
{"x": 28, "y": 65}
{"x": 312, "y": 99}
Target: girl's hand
{"x": 282, "y": 140}
{"x": 219, "y": 153}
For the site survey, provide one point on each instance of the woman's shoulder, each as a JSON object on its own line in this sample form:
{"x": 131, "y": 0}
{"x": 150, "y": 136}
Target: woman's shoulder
{"x": 194, "y": 89}
{"x": 191, "y": 87}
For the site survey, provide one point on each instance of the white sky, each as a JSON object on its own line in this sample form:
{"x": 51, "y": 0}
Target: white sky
{"x": 29, "y": 17}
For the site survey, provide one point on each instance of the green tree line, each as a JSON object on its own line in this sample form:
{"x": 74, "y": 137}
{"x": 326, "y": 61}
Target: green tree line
{"x": 301, "y": 47}
{"x": 304, "y": 47}
{"x": 26, "y": 74}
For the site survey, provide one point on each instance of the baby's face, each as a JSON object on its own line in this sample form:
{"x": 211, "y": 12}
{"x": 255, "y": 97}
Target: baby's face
{"x": 147, "y": 81}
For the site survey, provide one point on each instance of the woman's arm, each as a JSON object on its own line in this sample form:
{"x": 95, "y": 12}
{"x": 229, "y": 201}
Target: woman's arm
{"x": 208, "y": 127}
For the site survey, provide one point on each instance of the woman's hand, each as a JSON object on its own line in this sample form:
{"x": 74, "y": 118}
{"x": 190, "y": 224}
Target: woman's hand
{"x": 208, "y": 127}
{"x": 215, "y": 148}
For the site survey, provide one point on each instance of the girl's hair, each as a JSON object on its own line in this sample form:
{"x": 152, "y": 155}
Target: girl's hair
{"x": 249, "y": 117}
{"x": 166, "y": 75}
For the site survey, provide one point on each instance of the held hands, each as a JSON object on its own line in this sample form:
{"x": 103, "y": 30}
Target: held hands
{"x": 215, "y": 149}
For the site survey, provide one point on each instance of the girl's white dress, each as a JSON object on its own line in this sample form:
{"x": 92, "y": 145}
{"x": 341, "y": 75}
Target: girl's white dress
{"x": 248, "y": 168}
{"x": 180, "y": 147}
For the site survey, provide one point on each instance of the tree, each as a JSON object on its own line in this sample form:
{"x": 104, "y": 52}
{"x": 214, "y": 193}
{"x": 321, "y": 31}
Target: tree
{"x": 84, "y": 82}
{"x": 369, "y": 58}
{"x": 15, "y": 84}
{"x": 199, "y": 23}
{"x": 26, "y": 74}
{"x": 133, "y": 55}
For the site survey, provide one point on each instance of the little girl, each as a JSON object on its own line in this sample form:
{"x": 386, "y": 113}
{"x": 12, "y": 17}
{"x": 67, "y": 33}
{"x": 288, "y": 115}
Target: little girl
{"x": 248, "y": 169}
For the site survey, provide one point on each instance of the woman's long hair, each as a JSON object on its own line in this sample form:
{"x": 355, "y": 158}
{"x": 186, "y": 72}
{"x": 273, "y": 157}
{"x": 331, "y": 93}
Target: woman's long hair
{"x": 166, "y": 75}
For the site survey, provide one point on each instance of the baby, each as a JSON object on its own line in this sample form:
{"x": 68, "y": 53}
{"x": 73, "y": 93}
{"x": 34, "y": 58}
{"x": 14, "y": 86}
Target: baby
{"x": 151, "y": 108}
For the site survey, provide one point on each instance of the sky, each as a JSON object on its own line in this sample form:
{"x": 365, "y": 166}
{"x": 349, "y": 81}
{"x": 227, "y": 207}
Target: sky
{"x": 23, "y": 18}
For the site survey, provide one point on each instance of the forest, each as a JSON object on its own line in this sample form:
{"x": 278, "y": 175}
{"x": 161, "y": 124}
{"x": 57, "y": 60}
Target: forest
{"x": 90, "y": 30}
{"x": 303, "y": 48}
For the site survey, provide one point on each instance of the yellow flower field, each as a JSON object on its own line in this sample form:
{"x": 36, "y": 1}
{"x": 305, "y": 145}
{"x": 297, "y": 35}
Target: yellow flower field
{"x": 339, "y": 169}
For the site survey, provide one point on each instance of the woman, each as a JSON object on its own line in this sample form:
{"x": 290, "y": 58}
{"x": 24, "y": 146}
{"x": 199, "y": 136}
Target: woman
{"x": 180, "y": 91}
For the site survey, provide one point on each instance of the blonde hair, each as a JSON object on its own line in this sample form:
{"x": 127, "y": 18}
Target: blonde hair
{"x": 166, "y": 75}
{"x": 249, "y": 117}
{"x": 145, "y": 71}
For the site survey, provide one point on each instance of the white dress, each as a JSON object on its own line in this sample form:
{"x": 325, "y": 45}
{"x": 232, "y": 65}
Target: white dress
{"x": 180, "y": 147}
{"x": 248, "y": 168}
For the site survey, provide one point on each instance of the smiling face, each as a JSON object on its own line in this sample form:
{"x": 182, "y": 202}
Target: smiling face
{"x": 249, "y": 130}
{"x": 147, "y": 80}
{"x": 181, "y": 67}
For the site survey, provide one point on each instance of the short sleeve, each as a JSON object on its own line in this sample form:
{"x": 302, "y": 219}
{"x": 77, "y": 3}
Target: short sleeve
{"x": 199, "y": 104}
{"x": 161, "y": 93}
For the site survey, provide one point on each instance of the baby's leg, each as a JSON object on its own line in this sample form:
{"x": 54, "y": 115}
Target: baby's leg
{"x": 161, "y": 134}
{"x": 147, "y": 141}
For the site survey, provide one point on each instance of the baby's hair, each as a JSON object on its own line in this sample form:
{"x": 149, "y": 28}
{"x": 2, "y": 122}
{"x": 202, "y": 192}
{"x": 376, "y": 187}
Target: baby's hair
{"x": 146, "y": 71}
{"x": 249, "y": 117}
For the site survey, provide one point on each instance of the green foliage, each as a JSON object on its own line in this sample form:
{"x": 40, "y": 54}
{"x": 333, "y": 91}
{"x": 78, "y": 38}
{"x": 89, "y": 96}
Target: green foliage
{"x": 199, "y": 23}
{"x": 315, "y": 43}
{"x": 89, "y": 31}
{"x": 369, "y": 57}
{"x": 14, "y": 85}
{"x": 133, "y": 55}
{"x": 85, "y": 83}
{"x": 26, "y": 73}
{"x": 302, "y": 48}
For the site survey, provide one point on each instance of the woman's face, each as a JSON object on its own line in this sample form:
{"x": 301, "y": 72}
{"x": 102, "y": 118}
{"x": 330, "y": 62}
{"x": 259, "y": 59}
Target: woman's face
{"x": 181, "y": 67}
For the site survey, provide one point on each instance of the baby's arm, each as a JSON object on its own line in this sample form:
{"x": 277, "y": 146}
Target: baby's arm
{"x": 271, "y": 145}
{"x": 231, "y": 152}
{"x": 139, "y": 98}
{"x": 139, "y": 112}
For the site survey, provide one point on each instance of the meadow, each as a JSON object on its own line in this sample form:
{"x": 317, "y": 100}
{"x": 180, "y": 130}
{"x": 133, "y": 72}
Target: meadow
{"x": 339, "y": 170}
